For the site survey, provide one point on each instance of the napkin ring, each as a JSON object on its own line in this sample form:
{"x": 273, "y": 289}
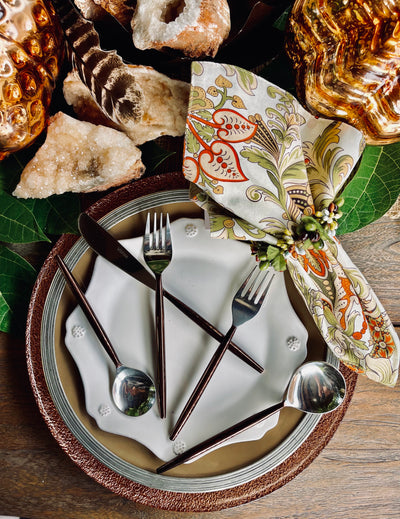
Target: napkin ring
{"x": 310, "y": 233}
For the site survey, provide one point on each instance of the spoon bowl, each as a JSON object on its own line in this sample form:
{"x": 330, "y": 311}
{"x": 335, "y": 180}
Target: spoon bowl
{"x": 315, "y": 387}
{"x": 133, "y": 391}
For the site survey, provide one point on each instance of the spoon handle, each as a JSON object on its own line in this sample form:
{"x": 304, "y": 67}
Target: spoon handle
{"x": 217, "y": 439}
{"x": 88, "y": 311}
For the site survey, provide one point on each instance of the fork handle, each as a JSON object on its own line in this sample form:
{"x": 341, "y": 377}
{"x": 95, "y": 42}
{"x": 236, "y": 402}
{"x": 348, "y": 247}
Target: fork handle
{"x": 160, "y": 341}
{"x": 203, "y": 382}
{"x": 214, "y": 332}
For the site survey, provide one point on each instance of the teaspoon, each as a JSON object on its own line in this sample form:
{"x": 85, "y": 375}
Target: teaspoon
{"x": 315, "y": 387}
{"x": 133, "y": 391}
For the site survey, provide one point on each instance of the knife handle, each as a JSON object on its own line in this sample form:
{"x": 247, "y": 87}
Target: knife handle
{"x": 211, "y": 330}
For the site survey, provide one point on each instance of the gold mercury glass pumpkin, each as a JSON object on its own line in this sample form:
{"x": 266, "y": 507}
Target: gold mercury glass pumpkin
{"x": 346, "y": 55}
{"x": 31, "y": 48}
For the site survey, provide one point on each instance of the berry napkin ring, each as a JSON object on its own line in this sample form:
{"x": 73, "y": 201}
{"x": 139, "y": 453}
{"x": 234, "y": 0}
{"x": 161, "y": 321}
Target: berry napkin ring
{"x": 268, "y": 172}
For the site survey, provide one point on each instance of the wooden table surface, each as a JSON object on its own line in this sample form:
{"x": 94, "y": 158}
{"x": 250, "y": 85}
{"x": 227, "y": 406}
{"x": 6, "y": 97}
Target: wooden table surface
{"x": 356, "y": 476}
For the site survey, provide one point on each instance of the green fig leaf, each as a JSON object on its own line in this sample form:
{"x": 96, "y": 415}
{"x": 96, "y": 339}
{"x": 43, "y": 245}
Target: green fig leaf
{"x": 17, "y": 277}
{"x": 11, "y": 168}
{"x": 373, "y": 189}
{"x": 17, "y": 223}
{"x": 57, "y": 214}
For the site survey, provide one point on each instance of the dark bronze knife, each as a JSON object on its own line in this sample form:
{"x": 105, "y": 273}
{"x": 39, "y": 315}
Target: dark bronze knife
{"x": 105, "y": 245}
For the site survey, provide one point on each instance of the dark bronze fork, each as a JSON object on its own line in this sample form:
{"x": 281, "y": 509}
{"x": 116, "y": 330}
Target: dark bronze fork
{"x": 245, "y": 305}
{"x": 157, "y": 252}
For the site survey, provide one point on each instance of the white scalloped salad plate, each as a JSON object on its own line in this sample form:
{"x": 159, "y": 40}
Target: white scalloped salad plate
{"x": 204, "y": 273}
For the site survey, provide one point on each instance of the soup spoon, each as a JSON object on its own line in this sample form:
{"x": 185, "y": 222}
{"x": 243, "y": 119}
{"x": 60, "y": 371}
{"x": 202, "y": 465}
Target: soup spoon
{"x": 133, "y": 391}
{"x": 315, "y": 387}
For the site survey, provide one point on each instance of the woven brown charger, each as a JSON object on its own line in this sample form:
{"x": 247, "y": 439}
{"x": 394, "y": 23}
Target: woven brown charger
{"x": 193, "y": 487}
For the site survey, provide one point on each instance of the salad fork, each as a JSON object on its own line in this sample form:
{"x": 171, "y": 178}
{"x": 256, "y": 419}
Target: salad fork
{"x": 157, "y": 252}
{"x": 245, "y": 305}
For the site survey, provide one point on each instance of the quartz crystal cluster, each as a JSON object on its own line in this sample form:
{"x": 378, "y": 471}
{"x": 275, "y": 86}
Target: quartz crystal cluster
{"x": 31, "y": 49}
{"x": 346, "y": 56}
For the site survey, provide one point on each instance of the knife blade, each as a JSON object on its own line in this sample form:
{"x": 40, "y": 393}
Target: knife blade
{"x": 105, "y": 245}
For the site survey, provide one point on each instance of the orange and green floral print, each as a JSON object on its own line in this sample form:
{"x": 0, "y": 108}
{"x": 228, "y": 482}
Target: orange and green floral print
{"x": 327, "y": 167}
{"x": 268, "y": 172}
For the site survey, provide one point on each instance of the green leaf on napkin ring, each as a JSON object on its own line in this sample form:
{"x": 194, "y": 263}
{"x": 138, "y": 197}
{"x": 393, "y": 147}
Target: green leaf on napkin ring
{"x": 310, "y": 233}
{"x": 269, "y": 255}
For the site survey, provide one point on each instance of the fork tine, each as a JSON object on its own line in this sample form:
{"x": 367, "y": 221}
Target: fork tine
{"x": 161, "y": 239}
{"x": 168, "y": 243}
{"x": 146, "y": 239}
{"x": 248, "y": 294}
{"x": 266, "y": 289}
{"x": 243, "y": 286}
{"x": 155, "y": 233}
{"x": 160, "y": 236}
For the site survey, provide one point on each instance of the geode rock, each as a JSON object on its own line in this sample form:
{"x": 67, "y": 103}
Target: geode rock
{"x": 346, "y": 56}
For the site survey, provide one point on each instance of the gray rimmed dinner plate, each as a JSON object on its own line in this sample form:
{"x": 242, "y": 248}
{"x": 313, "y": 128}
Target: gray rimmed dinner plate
{"x": 227, "y": 477}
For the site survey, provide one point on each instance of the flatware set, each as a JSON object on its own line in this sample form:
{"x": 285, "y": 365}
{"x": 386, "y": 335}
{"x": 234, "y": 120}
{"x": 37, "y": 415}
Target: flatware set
{"x": 319, "y": 388}
{"x": 105, "y": 245}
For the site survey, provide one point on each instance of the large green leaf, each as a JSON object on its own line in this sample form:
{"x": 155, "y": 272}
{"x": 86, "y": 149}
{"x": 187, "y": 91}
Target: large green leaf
{"x": 16, "y": 280}
{"x": 10, "y": 171}
{"x": 57, "y": 214}
{"x": 373, "y": 189}
{"x": 11, "y": 168}
{"x": 17, "y": 222}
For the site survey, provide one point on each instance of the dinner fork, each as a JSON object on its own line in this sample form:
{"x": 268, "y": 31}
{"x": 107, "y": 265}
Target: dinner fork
{"x": 245, "y": 305}
{"x": 157, "y": 252}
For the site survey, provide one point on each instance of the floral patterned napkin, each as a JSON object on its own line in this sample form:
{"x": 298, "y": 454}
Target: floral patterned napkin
{"x": 268, "y": 172}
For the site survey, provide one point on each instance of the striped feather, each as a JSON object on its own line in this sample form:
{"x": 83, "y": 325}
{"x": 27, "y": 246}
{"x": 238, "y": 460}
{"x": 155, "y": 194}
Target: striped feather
{"x": 110, "y": 81}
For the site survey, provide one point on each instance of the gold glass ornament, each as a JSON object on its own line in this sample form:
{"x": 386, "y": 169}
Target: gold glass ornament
{"x": 31, "y": 49}
{"x": 346, "y": 55}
